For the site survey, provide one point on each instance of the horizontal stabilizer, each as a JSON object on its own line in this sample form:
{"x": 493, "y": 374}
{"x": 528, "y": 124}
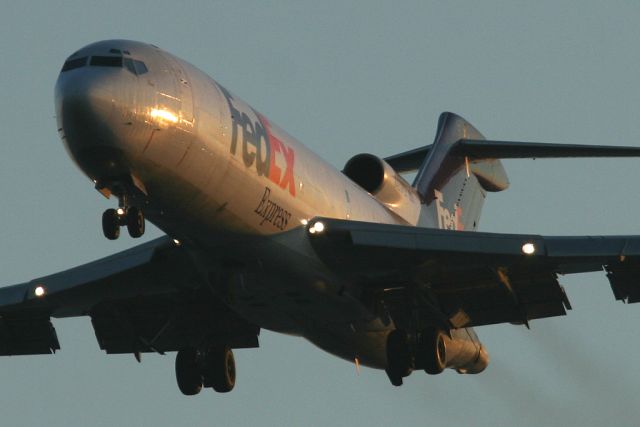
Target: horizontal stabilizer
{"x": 487, "y": 149}
{"x": 409, "y": 160}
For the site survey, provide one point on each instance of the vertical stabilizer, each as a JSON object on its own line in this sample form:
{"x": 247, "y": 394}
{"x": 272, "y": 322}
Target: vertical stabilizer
{"x": 453, "y": 187}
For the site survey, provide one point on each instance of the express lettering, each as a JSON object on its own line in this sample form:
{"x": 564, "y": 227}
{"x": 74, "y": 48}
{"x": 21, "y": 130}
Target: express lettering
{"x": 271, "y": 212}
{"x": 447, "y": 219}
{"x": 260, "y": 146}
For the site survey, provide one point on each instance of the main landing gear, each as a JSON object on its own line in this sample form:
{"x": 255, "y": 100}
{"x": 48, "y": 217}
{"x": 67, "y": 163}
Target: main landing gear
{"x": 427, "y": 351}
{"x": 399, "y": 363}
{"x": 130, "y": 216}
{"x": 215, "y": 368}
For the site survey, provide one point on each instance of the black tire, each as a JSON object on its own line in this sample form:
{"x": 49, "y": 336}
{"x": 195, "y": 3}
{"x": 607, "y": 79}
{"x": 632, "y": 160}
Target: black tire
{"x": 220, "y": 371}
{"x": 188, "y": 374}
{"x": 398, "y": 357}
{"x": 434, "y": 351}
{"x": 110, "y": 224}
{"x": 395, "y": 378}
{"x": 135, "y": 222}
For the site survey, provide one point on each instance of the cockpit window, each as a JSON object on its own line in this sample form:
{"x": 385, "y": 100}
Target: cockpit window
{"x": 128, "y": 63}
{"x": 135, "y": 66}
{"x": 140, "y": 67}
{"x": 74, "y": 63}
{"x": 106, "y": 61}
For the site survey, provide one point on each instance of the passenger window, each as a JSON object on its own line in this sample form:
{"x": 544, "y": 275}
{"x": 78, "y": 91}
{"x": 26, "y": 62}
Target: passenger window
{"x": 140, "y": 67}
{"x": 129, "y": 64}
{"x": 106, "y": 61}
{"x": 74, "y": 63}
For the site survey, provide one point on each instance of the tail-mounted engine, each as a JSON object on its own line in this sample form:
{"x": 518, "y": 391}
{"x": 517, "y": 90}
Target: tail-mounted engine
{"x": 464, "y": 353}
{"x": 434, "y": 350}
{"x": 385, "y": 184}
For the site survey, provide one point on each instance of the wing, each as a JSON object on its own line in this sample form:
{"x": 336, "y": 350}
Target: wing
{"x": 463, "y": 279}
{"x": 148, "y": 298}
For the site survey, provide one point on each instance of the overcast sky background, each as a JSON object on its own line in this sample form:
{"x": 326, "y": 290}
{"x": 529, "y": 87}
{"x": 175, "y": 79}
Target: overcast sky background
{"x": 344, "y": 78}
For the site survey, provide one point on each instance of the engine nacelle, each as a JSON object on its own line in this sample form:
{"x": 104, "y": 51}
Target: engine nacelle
{"x": 385, "y": 184}
{"x": 465, "y": 353}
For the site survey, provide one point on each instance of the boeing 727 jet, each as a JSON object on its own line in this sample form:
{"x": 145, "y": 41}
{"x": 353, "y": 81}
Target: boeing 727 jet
{"x": 263, "y": 233}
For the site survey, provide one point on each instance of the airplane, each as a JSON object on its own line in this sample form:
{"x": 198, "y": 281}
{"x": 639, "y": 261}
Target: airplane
{"x": 261, "y": 233}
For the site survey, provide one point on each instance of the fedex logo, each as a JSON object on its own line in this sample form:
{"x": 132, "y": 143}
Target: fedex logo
{"x": 446, "y": 219}
{"x": 260, "y": 148}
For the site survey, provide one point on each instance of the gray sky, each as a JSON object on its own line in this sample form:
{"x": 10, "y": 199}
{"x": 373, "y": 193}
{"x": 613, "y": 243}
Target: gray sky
{"x": 345, "y": 77}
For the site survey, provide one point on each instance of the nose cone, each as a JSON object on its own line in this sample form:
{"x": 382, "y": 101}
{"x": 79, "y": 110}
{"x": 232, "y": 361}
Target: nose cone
{"x": 84, "y": 105}
{"x": 85, "y": 108}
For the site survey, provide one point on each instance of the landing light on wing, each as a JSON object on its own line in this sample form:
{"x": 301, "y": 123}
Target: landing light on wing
{"x": 528, "y": 248}
{"x": 39, "y": 291}
{"x": 317, "y": 227}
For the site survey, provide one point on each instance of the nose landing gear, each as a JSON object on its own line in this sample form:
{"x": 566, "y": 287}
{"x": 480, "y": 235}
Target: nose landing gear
{"x": 135, "y": 222}
{"x": 111, "y": 224}
{"x": 130, "y": 216}
{"x": 131, "y": 195}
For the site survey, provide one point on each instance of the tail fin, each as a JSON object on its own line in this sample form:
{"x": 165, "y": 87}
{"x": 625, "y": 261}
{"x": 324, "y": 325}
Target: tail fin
{"x": 457, "y": 170}
{"x": 453, "y": 186}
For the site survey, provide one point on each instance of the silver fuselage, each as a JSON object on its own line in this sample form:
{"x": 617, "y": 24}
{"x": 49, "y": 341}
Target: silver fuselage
{"x": 228, "y": 183}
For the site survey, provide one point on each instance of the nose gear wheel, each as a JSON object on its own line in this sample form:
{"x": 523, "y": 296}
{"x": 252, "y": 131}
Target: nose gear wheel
{"x": 132, "y": 218}
{"x": 111, "y": 224}
{"x": 135, "y": 222}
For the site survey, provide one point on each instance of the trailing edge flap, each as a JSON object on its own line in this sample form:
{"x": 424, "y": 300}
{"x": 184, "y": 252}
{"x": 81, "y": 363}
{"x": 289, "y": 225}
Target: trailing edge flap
{"x": 411, "y": 160}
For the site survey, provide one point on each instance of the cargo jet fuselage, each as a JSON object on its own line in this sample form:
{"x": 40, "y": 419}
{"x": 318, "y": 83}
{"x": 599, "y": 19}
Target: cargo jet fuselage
{"x": 212, "y": 172}
{"x": 262, "y": 233}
